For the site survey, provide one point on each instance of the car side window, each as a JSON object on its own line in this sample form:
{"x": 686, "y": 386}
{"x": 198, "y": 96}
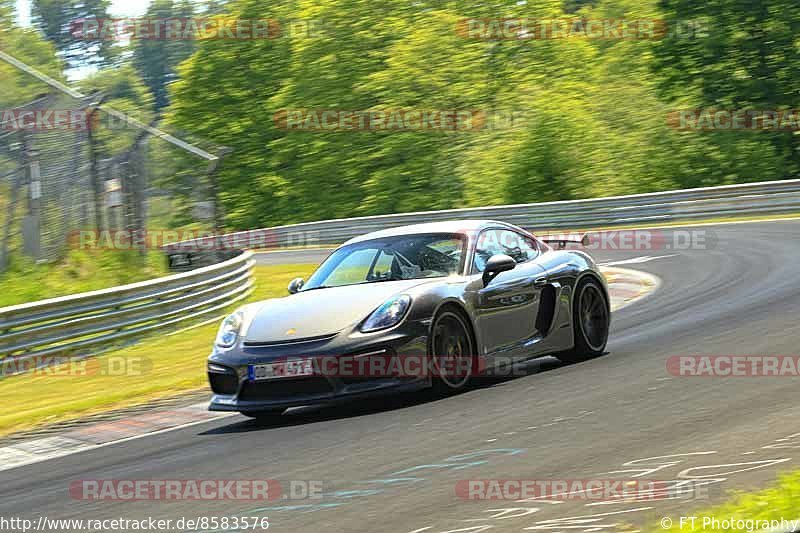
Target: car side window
{"x": 511, "y": 243}
{"x": 527, "y": 248}
{"x": 383, "y": 266}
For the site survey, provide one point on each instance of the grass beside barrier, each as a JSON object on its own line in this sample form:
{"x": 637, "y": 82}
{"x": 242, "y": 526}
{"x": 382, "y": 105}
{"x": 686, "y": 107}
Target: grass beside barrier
{"x": 158, "y": 367}
{"x": 80, "y": 271}
{"x": 777, "y": 502}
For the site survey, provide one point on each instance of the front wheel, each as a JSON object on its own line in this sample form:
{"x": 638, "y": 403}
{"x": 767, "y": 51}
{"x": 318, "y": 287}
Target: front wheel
{"x": 590, "y": 322}
{"x": 452, "y": 352}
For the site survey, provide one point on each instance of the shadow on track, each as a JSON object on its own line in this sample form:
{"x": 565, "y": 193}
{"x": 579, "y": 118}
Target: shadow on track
{"x": 319, "y": 413}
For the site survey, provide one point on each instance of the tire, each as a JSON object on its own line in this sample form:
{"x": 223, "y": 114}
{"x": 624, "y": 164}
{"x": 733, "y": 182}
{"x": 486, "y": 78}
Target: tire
{"x": 265, "y": 417}
{"x": 590, "y": 322}
{"x": 452, "y": 352}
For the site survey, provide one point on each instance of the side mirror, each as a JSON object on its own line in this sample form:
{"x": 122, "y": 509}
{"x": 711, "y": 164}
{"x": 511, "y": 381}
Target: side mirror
{"x": 496, "y": 264}
{"x": 295, "y": 285}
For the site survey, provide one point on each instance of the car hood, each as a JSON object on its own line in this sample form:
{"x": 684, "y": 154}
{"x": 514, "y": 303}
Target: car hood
{"x": 320, "y": 312}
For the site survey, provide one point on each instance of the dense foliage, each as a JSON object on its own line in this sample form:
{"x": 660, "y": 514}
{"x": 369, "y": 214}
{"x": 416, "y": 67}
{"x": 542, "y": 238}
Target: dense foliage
{"x": 579, "y": 117}
{"x": 565, "y": 118}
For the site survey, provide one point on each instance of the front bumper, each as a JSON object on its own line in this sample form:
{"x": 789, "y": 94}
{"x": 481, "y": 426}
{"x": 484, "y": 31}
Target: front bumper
{"x": 235, "y": 391}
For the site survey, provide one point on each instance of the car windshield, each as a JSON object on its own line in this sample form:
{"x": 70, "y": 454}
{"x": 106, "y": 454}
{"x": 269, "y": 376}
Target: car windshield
{"x": 391, "y": 258}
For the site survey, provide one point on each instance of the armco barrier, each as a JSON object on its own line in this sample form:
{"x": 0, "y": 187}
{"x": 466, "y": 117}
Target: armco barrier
{"x": 764, "y": 198}
{"x": 85, "y": 323}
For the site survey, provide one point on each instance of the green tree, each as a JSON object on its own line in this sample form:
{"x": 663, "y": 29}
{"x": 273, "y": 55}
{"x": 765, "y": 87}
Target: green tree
{"x": 566, "y": 118}
{"x": 27, "y": 45}
{"x": 330, "y": 70}
{"x": 222, "y": 96}
{"x": 126, "y": 92}
{"x": 6, "y": 15}
{"x": 60, "y": 20}
{"x": 732, "y": 55}
{"x": 157, "y": 59}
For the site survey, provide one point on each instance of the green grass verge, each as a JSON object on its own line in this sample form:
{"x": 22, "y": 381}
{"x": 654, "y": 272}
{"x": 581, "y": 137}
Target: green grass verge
{"x": 79, "y": 271}
{"x": 774, "y": 503}
{"x": 160, "y": 367}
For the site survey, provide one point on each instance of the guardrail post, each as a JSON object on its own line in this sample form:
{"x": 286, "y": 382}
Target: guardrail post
{"x": 31, "y": 224}
{"x": 94, "y": 173}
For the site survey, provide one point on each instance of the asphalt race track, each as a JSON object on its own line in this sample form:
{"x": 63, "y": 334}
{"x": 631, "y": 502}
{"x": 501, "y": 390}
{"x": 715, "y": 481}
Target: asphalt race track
{"x": 393, "y": 465}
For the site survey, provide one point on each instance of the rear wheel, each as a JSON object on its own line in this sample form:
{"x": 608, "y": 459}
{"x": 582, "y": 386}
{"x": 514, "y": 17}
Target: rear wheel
{"x": 590, "y": 322}
{"x": 452, "y": 352}
{"x": 264, "y": 417}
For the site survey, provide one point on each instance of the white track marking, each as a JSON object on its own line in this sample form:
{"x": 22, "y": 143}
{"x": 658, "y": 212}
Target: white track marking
{"x": 636, "y": 260}
{"x": 38, "y": 450}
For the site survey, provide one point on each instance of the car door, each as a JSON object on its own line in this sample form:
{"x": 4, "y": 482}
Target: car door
{"x": 506, "y": 309}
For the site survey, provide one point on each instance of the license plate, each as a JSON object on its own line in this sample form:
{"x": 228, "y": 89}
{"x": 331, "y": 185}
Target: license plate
{"x": 281, "y": 369}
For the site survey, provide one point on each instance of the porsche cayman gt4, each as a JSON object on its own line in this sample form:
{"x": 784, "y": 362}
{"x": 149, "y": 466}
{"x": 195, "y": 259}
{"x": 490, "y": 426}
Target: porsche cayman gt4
{"x": 428, "y": 305}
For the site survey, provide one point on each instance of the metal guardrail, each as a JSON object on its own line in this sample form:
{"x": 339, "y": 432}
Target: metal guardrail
{"x": 83, "y": 324}
{"x": 87, "y": 323}
{"x": 764, "y": 198}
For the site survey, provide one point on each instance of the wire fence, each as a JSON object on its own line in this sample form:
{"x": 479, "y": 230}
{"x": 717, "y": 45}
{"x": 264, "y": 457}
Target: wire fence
{"x": 69, "y": 162}
{"x": 46, "y": 183}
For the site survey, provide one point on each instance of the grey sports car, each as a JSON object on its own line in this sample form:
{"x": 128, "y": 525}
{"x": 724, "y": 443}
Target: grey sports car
{"x": 428, "y": 305}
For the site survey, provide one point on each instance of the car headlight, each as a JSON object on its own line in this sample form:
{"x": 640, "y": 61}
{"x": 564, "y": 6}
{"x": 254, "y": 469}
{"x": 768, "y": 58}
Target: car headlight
{"x": 389, "y": 314}
{"x": 229, "y": 330}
